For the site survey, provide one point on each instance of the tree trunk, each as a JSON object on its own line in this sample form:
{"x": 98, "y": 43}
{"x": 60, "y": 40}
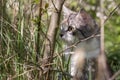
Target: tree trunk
{"x": 103, "y": 72}
{"x": 50, "y": 41}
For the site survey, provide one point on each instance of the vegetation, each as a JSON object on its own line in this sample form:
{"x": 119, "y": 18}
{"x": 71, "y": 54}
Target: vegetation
{"x": 24, "y": 27}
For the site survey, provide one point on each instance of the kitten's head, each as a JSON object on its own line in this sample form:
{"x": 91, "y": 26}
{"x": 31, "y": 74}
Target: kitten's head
{"x": 76, "y": 25}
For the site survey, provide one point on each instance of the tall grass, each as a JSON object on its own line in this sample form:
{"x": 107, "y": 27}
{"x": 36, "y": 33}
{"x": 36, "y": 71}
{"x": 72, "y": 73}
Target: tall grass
{"x": 18, "y": 37}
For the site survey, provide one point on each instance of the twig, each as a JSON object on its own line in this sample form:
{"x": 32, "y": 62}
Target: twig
{"x": 115, "y": 75}
{"x": 92, "y": 36}
{"x": 11, "y": 57}
{"x": 54, "y": 6}
{"x": 74, "y": 45}
{"x": 48, "y": 64}
{"x": 63, "y": 72}
{"x": 11, "y": 25}
{"x": 17, "y": 75}
{"x": 112, "y": 12}
{"x": 38, "y": 32}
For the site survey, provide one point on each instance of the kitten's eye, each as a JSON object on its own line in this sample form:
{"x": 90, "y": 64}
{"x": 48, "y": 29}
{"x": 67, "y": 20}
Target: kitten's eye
{"x": 70, "y": 28}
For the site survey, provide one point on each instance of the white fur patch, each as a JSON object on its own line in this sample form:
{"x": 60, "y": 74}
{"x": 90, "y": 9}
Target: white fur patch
{"x": 77, "y": 60}
{"x": 91, "y": 47}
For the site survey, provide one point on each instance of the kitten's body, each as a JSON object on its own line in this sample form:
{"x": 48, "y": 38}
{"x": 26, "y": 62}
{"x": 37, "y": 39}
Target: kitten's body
{"x": 82, "y": 52}
{"x": 76, "y": 27}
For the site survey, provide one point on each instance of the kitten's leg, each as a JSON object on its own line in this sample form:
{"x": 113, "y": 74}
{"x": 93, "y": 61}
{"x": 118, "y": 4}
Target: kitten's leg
{"x": 77, "y": 64}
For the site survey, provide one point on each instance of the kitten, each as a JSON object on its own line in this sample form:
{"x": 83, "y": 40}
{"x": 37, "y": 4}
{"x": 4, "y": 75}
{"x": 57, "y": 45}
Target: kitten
{"x": 78, "y": 26}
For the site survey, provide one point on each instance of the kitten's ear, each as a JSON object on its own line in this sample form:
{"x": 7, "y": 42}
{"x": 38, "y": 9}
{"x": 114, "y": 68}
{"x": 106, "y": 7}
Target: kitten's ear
{"x": 83, "y": 15}
{"x": 85, "y": 18}
{"x": 66, "y": 11}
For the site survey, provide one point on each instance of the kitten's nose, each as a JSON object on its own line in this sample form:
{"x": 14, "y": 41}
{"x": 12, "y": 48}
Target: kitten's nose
{"x": 61, "y": 35}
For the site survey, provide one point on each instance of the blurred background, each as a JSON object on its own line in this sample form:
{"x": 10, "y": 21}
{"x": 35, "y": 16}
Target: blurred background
{"x": 19, "y": 22}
